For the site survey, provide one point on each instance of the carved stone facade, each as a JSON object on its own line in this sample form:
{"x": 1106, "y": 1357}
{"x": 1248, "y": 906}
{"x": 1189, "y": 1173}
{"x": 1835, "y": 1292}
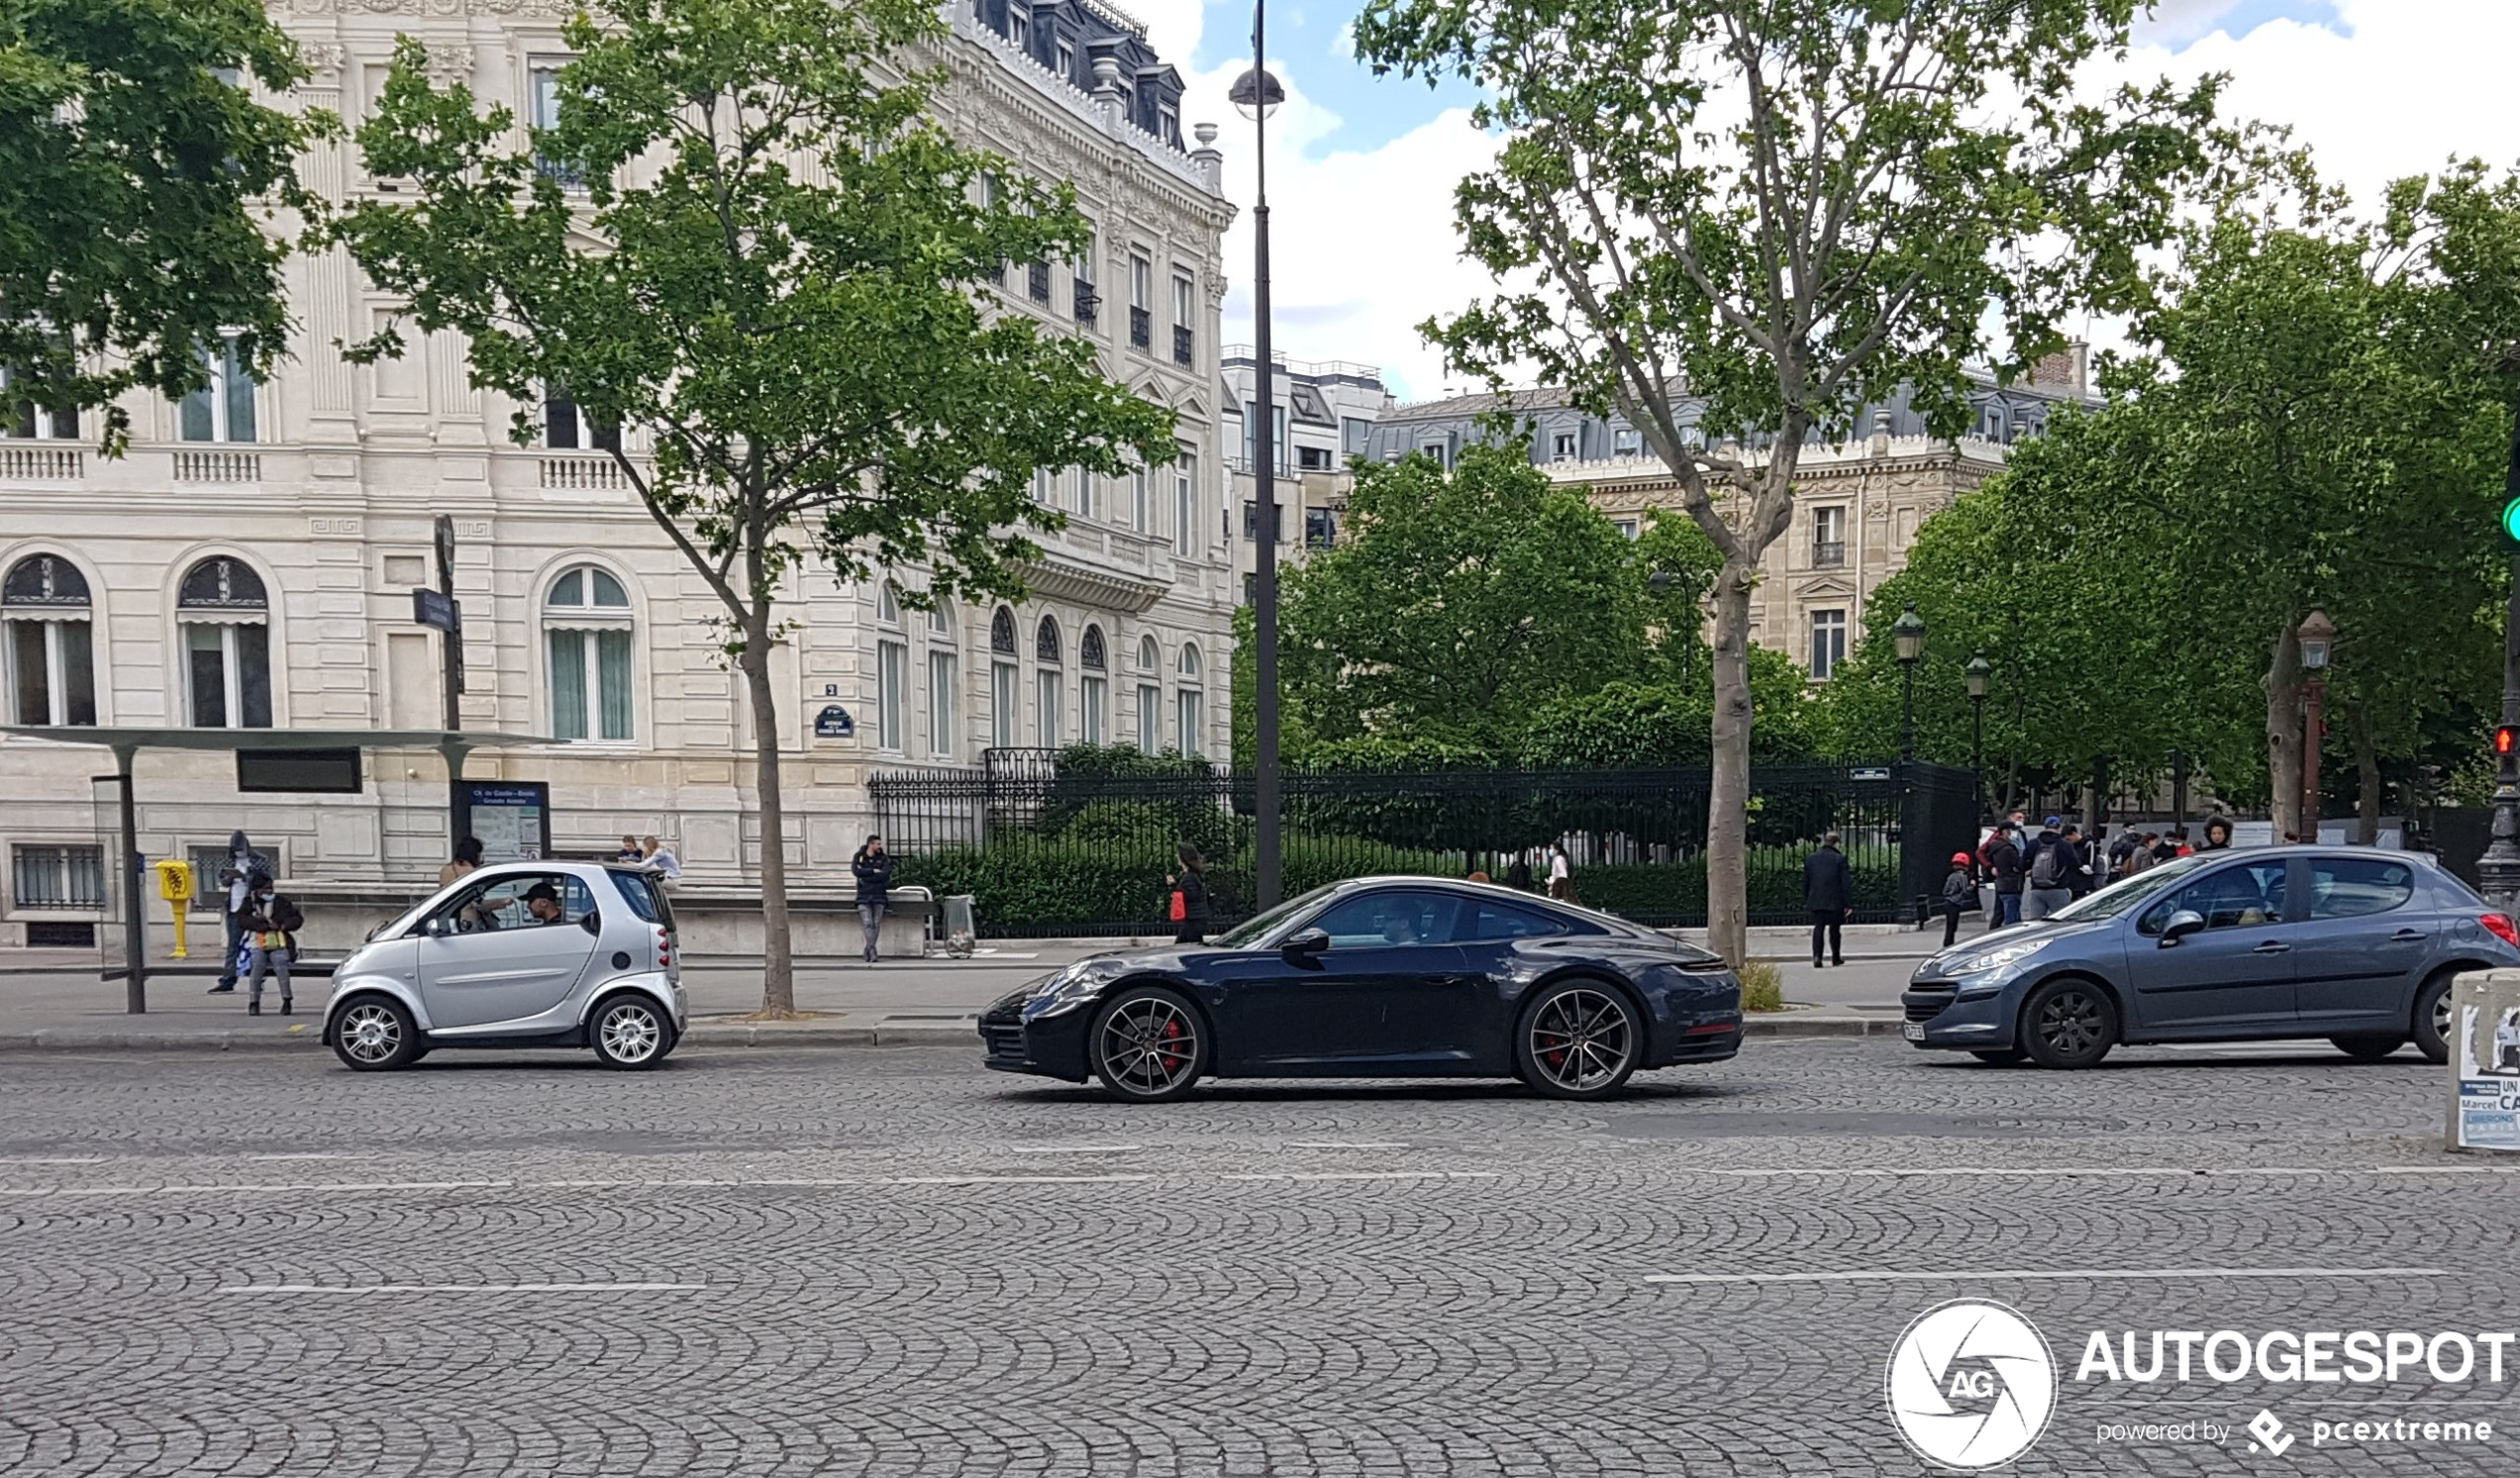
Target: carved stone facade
{"x": 319, "y": 489}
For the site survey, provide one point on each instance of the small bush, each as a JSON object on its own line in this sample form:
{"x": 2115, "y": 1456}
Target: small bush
{"x": 1762, "y": 986}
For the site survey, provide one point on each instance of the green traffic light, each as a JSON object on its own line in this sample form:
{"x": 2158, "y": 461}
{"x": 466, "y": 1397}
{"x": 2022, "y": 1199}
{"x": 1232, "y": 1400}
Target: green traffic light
{"x": 2511, "y": 520}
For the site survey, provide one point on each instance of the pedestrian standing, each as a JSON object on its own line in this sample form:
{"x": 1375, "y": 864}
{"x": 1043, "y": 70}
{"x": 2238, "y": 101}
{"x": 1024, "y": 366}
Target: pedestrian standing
{"x": 658, "y": 858}
{"x": 1518, "y": 875}
{"x": 1829, "y": 893}
{"x": 2174, "y": 846}
{"x": 1561, "y": 876}
{"x": 1960, "y": 896}
{"x": 1191, "y": 904}
{"x": 2146, "y": 853}
{"x": 2218, "y": 836}
{"x": 235, "y": 878}
{"x": 272, "y": 920}
{"x": 2081, "y": 873}
{"x": 873, "y": 868}
{"x": 2051, "y": 870}
{"x": 468, "y": 858}
{"x": 2004, "y": 862}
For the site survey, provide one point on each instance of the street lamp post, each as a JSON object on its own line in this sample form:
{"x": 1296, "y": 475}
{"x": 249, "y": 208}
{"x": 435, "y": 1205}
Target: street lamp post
{"x": 1977, "y": 671}
{"x": 1256, "y": 95}
{"x": 1909, "y": 633}
{"x": 2318, "y": 637}
{"x": 2499, "y": 870}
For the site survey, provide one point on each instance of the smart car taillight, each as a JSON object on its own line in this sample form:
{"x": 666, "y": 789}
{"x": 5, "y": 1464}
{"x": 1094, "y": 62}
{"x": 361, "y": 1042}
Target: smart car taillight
{"x": 664, "y": 948}
{"x": 2502, "y": 927}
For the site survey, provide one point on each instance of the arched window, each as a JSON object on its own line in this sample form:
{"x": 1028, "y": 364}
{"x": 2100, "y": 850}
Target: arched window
{"x": 943, "y": 680}
{"x": 1190, "y": 704}
{"x": 892, "y": 673}
{"x": 887, "y": 605}
{"x": 1093, "y": 690}
{"x": 50, "y": 652}
{"x": 1004, "y": 709}
{"x": 586, "y": 628}
{"x": 1049, "y": 687}
{"x": 1150, "y": 695}
{"x": 225, "y": 617}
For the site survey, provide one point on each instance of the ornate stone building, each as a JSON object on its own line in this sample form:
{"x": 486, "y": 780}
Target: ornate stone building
{"x": 251, "y": 562}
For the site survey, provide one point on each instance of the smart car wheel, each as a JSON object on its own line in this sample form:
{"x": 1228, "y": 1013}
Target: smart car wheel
{"x": 631, "y": 1032}
{"x": 2367, "y": 1048}
{"x": 375, "y": 1035}
{"x": 2432, "y": 1018}
{"x": 2068, "y": 1023}
{"x": 1148, "y": 1044}
{"x": 1579, "y": 1040}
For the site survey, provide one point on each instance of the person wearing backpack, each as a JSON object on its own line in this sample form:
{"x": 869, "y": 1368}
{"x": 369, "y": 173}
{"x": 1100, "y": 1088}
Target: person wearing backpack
{"x": 2052, "y": 864}
{"x": 271, "y": 921}
{"x": 1191, "y": 910}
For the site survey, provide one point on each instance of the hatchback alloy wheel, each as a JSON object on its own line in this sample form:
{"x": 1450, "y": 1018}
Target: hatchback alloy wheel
{"x": 2068, "y": 1023}
{"x": 630, "y": 1034}
{"x": 1579, "y": 1041}
{"x": 1147, "y": 1045}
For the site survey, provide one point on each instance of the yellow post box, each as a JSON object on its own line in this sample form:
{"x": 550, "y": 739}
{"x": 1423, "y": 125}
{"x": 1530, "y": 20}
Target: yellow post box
{"x": 175, "y": 885}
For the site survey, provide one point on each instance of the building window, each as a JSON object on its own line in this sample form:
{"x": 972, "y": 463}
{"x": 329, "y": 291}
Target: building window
{"x": 223, "y": 409}
{"x": 1067, "y": 63}
{"x": 225, "y": 616}
{"x": 1141, "y": 301}
{"x": 50, "y": 652}
{"x": 568, "y": 428}
{"x": 57, "y": 877}
{"x": 1185, "y": 502}
{"x": 1019, "y": 27}
{"x": 1313, "y": 458}
{"x": 586, "y": 627}
{"x": 892, "y": 673}
{"x": 1277, "y": 443}
{"x": 1435, "y": 450}
{"x": 1150, "y": 697}
{"x": 1561, "y": 446}
{"x": 940, "y": 682}
{"x": 1049, "y": 690}
{"x": 1183, "y": 292}
{"x": 1829, "y": 643}
{"x": 1084, "y": 492}
{"x": 1140, "y": 515}
{"x": 1354, "y": 435}
{"x": 1828, "y": 537}
{"x": 1321, "y": 528}
{"x": 23, "y": 418}
{"x": 1087, "y": 302}
{"x": 1627, "y": 441}
{"x": 1004, "y": 711}
{"x": 1190, "y": 704}
{"x": 541, "y": 98}
{"x": 1626, "y": 527}
{"x": 1094, "y": 687}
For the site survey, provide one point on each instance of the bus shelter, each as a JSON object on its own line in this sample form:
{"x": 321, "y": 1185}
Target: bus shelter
{"x": 283, "y": 761}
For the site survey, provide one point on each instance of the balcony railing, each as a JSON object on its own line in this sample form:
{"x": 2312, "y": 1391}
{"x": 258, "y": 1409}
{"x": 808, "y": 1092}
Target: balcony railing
{"x": 1141, "y": 328}
{"x": 1827, "y": 554}
{"x": 583, "y": 474}
{"x": 218, "y": 466}
{"x": 23, "y": 464}
{"x": 1181, "y": 344}
{"x": 1088, "y": 302}
{"x": 1039, "y": 275}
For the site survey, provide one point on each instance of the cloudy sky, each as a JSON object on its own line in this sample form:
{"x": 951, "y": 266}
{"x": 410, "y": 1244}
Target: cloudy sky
{"x": 1362, "y": 170}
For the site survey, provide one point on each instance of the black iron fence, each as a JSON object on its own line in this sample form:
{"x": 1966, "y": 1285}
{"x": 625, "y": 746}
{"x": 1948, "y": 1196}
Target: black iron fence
{"x": 1078, "y": 842}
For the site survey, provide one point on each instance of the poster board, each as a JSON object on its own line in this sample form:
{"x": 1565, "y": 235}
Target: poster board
{"x": 512, "y": 818}
{"x": 2484, "y": 1061}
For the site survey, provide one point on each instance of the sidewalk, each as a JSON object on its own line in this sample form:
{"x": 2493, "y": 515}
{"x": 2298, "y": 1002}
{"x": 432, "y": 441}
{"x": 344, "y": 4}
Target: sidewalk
{"x": 52, "y": 1001}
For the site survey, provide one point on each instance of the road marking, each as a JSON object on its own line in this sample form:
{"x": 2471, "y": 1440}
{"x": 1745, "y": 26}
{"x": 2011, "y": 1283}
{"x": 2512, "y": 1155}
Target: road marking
{"x": 1973, "y": 1275}
{"x": 1072, "y": 1149}
{"x": 311, "y": 1156}
{"x": 464, "y": 1288}
{"x": 1370, "y": 1176}
{"x": 59, "y": 1160}
{"x": 2071, "y": 1171}
{"x": 1345, "y": 1144}
{"x": 258, "y": 1189}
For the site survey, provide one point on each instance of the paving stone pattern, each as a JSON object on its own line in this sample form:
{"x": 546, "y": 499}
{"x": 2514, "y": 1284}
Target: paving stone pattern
{"x": 895, "y": 1263}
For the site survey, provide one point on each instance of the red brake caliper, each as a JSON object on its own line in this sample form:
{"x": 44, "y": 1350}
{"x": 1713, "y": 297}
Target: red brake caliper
{"x": 1173, "y": 1055}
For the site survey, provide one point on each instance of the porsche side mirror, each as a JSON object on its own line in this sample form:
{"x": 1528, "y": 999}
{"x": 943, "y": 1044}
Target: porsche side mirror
{"x": 2181, "y": 923}
{"x": 1310, "y": 941}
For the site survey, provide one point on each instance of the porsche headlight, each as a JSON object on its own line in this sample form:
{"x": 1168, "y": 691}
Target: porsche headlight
{"x": 1071, "y": 988}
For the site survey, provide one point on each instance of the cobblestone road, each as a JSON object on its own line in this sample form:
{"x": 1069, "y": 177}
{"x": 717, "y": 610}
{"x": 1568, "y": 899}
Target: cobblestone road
{"x": 894, "y": 1263}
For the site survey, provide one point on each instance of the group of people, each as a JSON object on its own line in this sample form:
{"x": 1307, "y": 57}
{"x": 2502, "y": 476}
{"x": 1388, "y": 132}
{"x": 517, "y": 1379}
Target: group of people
{"x": 259, "y": 928}
{"x": 2034, "y": 874}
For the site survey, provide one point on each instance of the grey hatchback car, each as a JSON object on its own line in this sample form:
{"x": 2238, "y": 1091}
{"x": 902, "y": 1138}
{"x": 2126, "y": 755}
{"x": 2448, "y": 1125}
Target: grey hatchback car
{"x": 2354, "y": 945}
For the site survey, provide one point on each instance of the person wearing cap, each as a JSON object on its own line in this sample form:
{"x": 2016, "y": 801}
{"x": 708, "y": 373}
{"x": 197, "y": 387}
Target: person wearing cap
{"x": 2046, "y": 887}
{"x": 1959, "y": 895}
{"x": 541, "y": 904}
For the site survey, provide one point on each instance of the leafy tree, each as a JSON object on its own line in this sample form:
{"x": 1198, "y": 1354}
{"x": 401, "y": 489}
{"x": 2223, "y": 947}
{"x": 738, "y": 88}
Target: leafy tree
{"x": 1462, "y": 601}
{"x": 1771, "y": 212}
{"x": 133, "y": 182}
{"x": 771, "y": 274}
{"x": 1666, "y": 723}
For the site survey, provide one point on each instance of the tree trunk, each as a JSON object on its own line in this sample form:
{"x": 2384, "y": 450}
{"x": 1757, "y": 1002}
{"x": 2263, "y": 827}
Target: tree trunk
{"x": 2366, "y": 765}
{"x": 777, "y": 960}
{"x": 1728, "y": 783}
{"x": 2283, "y": 683}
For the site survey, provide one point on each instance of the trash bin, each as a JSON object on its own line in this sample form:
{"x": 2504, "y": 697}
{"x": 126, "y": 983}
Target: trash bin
{"x": 960, "y": 937}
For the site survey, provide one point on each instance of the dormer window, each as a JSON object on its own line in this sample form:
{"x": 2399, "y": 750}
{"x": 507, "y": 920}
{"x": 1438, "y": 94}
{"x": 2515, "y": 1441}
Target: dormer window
{"x": 1067, "y": 64}
{"x": 1019, "y": 27}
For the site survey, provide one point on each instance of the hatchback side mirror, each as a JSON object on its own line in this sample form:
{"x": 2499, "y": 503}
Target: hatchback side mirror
{"x": 2179, "y": 925}
{"x": 1310, "y": 941}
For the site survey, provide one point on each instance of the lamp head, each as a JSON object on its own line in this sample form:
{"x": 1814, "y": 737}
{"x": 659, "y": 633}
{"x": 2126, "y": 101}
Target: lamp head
{"x": 1256, "y": 93}
{"x": 1909, "y": 633}
{"x": 1977, "y": 671}
{"x": 2317, "y": 638}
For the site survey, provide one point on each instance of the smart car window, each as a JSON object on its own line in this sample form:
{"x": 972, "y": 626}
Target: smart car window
{"x": 2351, "y": 887}
{"x": 1505, "y": 921}
{"x": 1386, "y": 920}
{"x": 641, "y": 894}
{"x": 524, "y": 900}
{"x": 2234, "y": 898}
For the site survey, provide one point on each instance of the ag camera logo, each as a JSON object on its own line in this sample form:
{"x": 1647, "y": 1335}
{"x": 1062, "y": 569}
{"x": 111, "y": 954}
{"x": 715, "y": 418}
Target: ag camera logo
{"x": 1970, "y": 1385}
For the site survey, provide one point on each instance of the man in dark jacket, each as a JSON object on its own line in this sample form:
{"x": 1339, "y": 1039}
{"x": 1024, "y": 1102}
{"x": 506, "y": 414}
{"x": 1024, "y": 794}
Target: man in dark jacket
{"x": 235, "y": 878}
{"x": 1829, "y": 892}
{"x": 873, "y": 868}
{"x": 2047, "y": 890}
{"x": 2003, "y": 862}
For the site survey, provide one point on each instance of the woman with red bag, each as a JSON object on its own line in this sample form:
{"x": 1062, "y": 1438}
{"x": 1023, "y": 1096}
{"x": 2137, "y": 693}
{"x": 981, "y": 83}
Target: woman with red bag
{"x": 1191, "y": 911}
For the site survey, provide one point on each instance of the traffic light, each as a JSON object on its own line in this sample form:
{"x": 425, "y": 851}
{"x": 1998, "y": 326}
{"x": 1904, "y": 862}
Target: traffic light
{"x": 2506, "y": 741}
{"x": 2511, "y": 522}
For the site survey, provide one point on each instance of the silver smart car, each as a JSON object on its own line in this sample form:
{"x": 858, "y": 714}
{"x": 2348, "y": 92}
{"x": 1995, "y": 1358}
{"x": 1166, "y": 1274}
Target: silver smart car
{"x": 520, "y": 954}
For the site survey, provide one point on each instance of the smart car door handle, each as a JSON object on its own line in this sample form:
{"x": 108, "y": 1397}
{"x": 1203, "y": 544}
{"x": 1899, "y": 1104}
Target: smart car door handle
{"x": 2273, "y": 947}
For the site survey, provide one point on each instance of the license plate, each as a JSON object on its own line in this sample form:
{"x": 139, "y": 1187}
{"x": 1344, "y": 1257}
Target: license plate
{"x": 1913, "y": 1030}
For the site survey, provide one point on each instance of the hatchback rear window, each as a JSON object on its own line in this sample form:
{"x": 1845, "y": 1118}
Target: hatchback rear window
{"x": 645, "y": 895}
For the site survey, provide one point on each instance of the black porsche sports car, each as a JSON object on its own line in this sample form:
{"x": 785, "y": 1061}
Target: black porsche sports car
{"x": 1381, "y": 977}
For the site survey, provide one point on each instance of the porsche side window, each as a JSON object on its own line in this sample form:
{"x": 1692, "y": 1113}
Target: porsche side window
{"x": 1505, "y": 921}
{"x": 1382, "y": 921}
